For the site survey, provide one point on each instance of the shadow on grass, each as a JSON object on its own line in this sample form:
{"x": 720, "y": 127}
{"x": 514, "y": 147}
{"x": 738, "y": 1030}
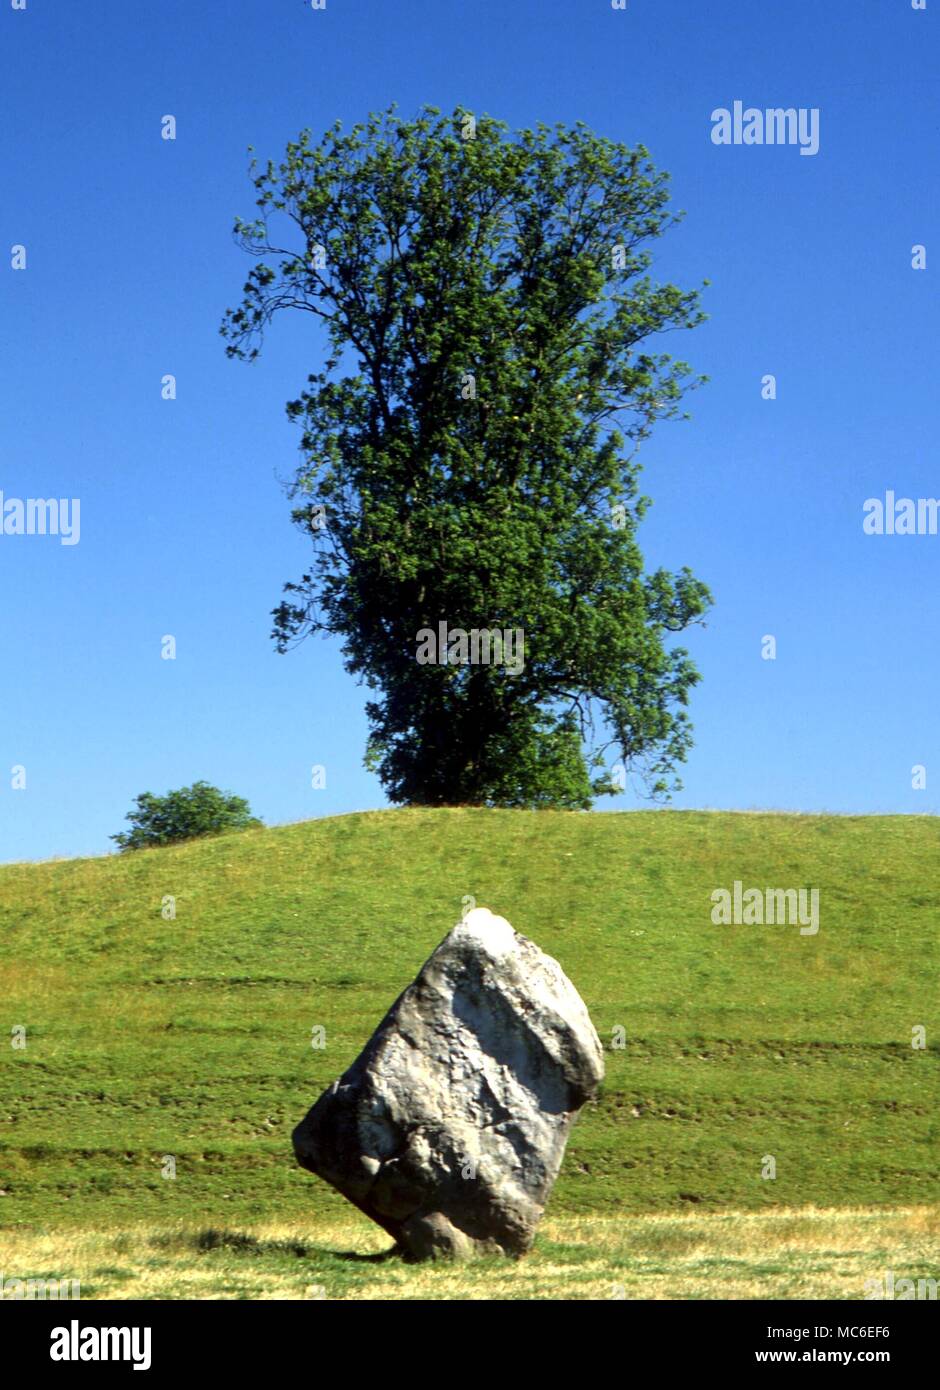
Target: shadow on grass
{"x": 357, "y": 1255}
{"x": 240, "y": 1243}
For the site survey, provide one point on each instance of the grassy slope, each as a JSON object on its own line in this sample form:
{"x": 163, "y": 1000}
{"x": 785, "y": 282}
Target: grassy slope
{"x": 192, "y": 1037}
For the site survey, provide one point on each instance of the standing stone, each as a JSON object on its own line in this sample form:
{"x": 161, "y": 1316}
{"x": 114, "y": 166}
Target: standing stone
{"x": 449, "y": 1129}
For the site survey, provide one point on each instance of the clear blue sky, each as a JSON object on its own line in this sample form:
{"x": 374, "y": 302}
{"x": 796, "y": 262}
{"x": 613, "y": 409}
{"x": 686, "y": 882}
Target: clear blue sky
{"x": 184, "y": 525}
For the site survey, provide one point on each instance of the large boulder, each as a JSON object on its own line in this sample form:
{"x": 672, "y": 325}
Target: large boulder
{"x": 449, "y": 1129}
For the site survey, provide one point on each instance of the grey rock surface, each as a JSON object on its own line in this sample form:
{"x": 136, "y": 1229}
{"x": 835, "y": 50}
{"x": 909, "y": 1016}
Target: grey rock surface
{"x": 450, "y": 1127}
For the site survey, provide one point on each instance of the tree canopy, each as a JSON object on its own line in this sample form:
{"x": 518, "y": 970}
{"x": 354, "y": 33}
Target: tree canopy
{"x": 184, "y": 814}
{"x": 469, "y": 445}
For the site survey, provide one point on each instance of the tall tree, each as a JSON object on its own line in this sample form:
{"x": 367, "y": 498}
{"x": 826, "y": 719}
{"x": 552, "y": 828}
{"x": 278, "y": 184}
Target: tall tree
{"x": 469, "y": 446}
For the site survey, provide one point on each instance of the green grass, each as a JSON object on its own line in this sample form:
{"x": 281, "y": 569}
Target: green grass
{"x": 191, "y": 1037}
{"x": 787, "y": 1254}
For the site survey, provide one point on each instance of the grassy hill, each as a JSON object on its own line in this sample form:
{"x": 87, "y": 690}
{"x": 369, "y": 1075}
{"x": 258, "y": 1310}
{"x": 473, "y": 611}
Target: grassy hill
{"x": 191, "y": 1037}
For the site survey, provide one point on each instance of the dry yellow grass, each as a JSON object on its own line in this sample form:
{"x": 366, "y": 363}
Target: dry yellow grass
{"x": 798, "y": 1253}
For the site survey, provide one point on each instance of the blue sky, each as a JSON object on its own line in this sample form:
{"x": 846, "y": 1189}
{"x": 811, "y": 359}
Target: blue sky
{"x": 184, "y": 524}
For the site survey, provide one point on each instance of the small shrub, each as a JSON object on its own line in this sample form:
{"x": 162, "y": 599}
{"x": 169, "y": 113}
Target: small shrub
{"x": 185, "y": 814}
